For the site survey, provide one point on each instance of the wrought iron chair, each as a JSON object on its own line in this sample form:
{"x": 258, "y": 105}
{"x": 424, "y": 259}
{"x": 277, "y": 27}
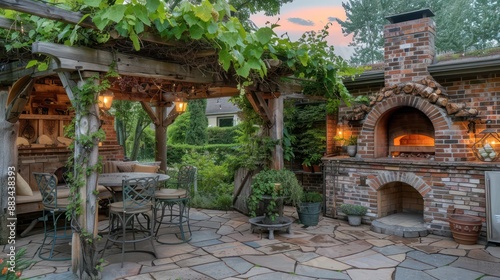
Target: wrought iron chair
{"x": 138, "y": 201}
{"x": 54, "y": 209}
{"x": 177, "y": 201}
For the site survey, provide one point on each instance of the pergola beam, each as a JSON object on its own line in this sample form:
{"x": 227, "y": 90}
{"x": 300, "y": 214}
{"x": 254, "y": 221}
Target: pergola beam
{"x": 72, "y": 58}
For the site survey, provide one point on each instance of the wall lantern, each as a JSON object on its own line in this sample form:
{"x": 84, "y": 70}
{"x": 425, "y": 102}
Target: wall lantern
{"x": 487, "y": 148}
{"x": 180, "y": 105}
{"x": 105, "y": 100}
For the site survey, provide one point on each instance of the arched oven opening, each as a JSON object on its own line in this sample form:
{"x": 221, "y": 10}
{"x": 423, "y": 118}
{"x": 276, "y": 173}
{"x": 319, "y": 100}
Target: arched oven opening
{"x": 405, "y": 132}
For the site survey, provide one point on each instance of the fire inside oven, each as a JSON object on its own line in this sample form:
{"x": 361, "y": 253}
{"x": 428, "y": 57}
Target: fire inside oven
{"x": 410, "y": 134}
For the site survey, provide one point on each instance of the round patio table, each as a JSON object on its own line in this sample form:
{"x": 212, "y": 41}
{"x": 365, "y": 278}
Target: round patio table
{"x": 113, "y": 181}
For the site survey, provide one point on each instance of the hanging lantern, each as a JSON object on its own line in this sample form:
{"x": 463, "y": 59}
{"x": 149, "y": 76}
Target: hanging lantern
{"x": 105, "y": 100}
{"x": 180, "y": 105}
{"x": 487, "y": 148}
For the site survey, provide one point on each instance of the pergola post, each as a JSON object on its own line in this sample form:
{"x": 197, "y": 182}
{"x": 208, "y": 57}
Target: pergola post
{"x": 161, "y": 138}
{"x": 8, "y": 160}
{"x": 83, "y": 251}
{"x": 276, "y": 132}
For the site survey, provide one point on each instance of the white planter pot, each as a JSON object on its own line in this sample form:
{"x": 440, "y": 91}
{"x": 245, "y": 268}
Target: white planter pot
{"x": 351, "y": 150}
{"x": 354, "y": 220}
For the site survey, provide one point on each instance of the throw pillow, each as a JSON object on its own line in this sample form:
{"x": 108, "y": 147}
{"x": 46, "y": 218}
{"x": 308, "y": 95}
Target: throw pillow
{"x": 125, "y": 167}
{"x": 146, "y": 168}
{"x": 22, "y": 187}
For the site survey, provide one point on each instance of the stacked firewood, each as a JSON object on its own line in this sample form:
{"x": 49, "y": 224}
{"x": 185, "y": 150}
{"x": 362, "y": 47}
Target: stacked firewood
{"x": 414, "y": 155}
{"x": 426, "y": 88}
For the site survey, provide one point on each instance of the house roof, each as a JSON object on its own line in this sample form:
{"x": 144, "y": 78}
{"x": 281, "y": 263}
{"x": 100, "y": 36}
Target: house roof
{"x": 219, "y": 106}
{"x": 460, "y": 66}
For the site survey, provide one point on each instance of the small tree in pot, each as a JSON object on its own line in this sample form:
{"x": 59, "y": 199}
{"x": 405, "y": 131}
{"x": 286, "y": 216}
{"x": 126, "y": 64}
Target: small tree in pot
{"x": 354, "y": 213}
{"x": 270, "y": 189}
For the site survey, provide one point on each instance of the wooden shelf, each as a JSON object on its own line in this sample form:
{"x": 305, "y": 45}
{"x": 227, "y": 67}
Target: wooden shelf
{"x": 45, "y": 117}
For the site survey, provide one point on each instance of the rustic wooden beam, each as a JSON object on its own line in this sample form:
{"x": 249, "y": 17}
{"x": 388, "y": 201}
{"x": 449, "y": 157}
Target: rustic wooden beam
{"x": 9, "y": 24}
{"x": 46, "y": 11}
{"x": 264, "y": 106}
{"x": 150, "y": 113}
{"x": 258, "y": 106}
{"x": 69, "y": 58}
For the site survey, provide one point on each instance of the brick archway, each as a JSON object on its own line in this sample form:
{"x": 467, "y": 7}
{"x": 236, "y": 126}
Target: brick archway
{"x": 385, "y": 177}
{"x": 372, "y": 136}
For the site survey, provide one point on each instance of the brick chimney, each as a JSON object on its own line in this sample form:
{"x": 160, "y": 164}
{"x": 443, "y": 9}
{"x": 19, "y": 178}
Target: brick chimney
{"x": 409, "y": 46}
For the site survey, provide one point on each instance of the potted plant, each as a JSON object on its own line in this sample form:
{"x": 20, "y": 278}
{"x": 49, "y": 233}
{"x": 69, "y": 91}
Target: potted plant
{"x": 352, "y": 144}
{"x": 354, "y": 213}
{"x": 309, "y": 208}
{"x": 270, "y": 189}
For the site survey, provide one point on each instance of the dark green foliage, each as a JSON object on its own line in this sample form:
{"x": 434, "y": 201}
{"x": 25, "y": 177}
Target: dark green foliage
{"x": 264, "y": 183}
{"x": 255, "y": 147}
{"x": 196, "y": 133}
{"x": 222, "y": 135}
{"x": 219, "y": 151}
{"x": 353, "y": 209}
{"x": 312, "y": 197}
{"x": 177, "y": 130}
{"x": 308, "y": 127}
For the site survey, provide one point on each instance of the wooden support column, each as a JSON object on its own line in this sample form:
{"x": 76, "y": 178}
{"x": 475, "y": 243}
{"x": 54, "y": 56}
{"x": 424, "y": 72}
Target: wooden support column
{"x": 84, "y": 251}
{"x": 8, "y": 162}
{"x": 276, "y": 131}
{"x": 161, "y": 138}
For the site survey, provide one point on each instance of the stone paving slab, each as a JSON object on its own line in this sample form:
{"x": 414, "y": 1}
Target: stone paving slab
{"x": 277, "y": 262}
{"x": 480, "y": 254}
{"x": 238, "y": 264}
{"x": 181, "y": 273}
{"x": 327, "y": 263}
{"x": 436, "y": 260}
{"x": 364, "y": 274}
{"x": 489, "y": 268}
{"x": 453, "y": 273}
{"x": 415, "y": 265}
{"x": 368, "y": 259}
{"x": 216, "y": 270}
{"x": 410, "y": 274}
{"x": 280, "y": 276}
{"x": 345, "y": 249}
{"x": 392, "y": 249}
{"x": 314, "y": 272}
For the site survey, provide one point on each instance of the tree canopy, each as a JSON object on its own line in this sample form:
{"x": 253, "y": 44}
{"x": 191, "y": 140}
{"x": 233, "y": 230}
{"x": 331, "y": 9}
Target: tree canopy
{"x": 461, "y": 25}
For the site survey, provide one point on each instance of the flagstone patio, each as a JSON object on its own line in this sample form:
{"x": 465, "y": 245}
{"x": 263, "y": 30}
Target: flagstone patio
{"x": 223, "y": 247}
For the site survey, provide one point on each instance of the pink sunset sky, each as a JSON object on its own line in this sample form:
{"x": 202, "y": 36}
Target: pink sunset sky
{"x": 305, "y": 15}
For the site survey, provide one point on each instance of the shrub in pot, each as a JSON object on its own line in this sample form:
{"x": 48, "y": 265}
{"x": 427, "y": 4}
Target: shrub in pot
{"x": 354, "y": 213}
{"x": 270, "y": 190}
{"x": 309, "y": 208}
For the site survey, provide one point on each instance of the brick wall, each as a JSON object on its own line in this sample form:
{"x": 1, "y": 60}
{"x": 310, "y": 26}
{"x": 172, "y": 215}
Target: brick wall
{"x": 49, "y": 159}
{"x": 408, "y": 50}
{"x": 441, "y": 185}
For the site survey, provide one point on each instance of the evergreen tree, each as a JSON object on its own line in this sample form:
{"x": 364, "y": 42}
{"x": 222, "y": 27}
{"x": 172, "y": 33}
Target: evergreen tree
{"x": 461, "y": 25}
{"x": 196, "y": 133}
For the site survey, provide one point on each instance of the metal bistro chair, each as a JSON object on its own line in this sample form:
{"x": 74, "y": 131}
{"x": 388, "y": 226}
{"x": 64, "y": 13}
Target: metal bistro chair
{"x": 54, "y": 209}
{"x": 138, "y": 201}
{"x": 176, "y": 200}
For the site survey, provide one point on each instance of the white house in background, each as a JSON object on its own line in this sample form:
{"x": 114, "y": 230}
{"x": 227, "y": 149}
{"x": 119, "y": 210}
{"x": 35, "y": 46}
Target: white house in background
{"x": 221, "y": 112}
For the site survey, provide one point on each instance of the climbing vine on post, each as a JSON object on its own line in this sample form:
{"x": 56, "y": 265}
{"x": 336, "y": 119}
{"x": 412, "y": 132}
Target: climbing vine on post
{"x": 84, "y": 165}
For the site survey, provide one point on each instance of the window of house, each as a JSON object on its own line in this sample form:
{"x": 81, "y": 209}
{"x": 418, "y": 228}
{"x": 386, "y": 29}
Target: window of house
{"x": 225, "y": 122}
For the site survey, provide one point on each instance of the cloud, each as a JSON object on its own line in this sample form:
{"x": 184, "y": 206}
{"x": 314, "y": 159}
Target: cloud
{"x": 333, "y": 19}
{"x": 301, "y": 21}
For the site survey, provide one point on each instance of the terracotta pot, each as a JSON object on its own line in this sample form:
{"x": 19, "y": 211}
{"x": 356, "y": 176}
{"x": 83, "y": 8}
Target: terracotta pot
{"x": 465, "y": 228}
{"x": 306, "y": 168}
{"x": 316, "y": 168}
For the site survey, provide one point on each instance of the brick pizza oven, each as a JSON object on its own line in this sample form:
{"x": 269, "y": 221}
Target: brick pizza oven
{"x": 415, "y": 138}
